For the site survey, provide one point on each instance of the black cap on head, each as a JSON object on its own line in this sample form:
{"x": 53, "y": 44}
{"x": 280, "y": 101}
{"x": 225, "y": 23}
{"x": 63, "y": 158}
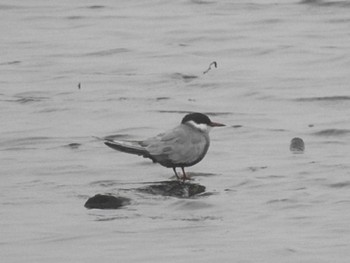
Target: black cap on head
{"x": 197, "y": 117}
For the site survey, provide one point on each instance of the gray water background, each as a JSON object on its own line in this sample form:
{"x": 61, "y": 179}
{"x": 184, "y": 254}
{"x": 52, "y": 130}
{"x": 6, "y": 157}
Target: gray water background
{"x": 283, "y": 72}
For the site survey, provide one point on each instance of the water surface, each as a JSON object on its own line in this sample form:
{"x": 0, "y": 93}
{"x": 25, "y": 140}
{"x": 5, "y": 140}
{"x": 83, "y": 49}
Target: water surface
{"x": 283, "y": 72}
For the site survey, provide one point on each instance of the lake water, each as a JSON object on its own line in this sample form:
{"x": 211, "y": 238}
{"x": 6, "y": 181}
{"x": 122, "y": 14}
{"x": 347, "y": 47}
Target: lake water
{"x": 283, "y": 72}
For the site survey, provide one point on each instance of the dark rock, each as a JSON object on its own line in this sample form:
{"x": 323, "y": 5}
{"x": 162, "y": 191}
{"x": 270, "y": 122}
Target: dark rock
{"x": 174, "y": 188}
{"x": 106, "y": 202}
{"x": 297, "y": 145}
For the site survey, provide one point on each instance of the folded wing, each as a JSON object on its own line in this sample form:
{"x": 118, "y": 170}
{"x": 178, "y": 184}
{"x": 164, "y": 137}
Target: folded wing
{"x": 177, "y": 147}
{"x": 128, "y": 147}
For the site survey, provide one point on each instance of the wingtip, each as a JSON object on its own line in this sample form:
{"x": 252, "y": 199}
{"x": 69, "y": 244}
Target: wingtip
{"x": 99, "y": 138}
{"x": 108, "y": 143}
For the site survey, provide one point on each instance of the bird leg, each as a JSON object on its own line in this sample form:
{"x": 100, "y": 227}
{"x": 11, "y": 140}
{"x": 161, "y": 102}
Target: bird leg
{"x": 185, "y": 177}
{"x": 177, "y": 176}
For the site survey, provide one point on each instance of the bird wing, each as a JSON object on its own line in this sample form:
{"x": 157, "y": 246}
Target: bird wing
{"x": 181, "y": 145}
{"x": 128, "y": 147}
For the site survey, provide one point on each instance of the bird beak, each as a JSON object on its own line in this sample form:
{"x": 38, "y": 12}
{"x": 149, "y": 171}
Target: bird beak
{"x": 216, "y": 124}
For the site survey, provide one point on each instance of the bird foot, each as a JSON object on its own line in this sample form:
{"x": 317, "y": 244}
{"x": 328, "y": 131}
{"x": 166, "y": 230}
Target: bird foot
{"x": 185, "y": 177}
{"x": 182, "y": 177}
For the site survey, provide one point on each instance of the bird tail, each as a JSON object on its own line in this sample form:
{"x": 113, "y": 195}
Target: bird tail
{"x": 128, "y": 147}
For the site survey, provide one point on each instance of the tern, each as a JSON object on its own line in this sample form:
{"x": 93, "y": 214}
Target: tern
{"x": 183, "y": 146}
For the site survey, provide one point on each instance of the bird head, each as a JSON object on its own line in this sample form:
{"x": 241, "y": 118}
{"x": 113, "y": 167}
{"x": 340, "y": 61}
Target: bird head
{"x": 200, "y": 121}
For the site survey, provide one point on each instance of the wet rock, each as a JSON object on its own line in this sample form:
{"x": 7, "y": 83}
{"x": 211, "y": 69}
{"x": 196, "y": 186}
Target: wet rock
{"x": 174, "y": 188}
{"x": 297, "y": 145}
{"x": 106, "y": 202}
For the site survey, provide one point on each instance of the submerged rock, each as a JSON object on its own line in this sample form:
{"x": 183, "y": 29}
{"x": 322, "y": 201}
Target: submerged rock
{"x": 297, "y": 145}
{"x": 174, "y": 188}
{"x": 106, "y": 202}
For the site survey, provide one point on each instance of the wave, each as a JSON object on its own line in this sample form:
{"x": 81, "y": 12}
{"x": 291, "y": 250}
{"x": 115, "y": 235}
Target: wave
{"x": 332, "y": 132}
{"x": 96, "y": 6}
{"x": 28, "y": 97}
{"x": 210, "y": 113}
{"x": 107, "y": 52}
{"x": 340, "y": 185}
{"x": 8, "y": 7}
{"x": 325, "y": 98}
{"x": 324, "y": 3}
{"x": 184, "y": 77}
{"x": 13, "y": 62}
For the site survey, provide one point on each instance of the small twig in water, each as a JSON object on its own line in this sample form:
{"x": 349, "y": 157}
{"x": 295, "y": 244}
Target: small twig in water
{"x": 209, "y": 68}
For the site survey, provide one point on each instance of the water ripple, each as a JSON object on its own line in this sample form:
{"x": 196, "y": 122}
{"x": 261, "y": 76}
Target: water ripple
{"x": 107, "y": 52}
{"x": 324, "y": 3}
{"x": 332, "y": 132}
{"x": 325, "y": 98}
{"x": 344, "y": 184}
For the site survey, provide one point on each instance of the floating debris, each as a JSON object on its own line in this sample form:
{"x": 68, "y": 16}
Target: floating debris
{"x": 209, "y": 68}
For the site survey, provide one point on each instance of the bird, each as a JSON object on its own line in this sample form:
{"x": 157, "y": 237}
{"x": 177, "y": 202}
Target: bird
{"x": 183, "y": 146}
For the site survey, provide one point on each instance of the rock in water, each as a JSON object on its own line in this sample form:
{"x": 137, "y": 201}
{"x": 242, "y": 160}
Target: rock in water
{"x": 297, "y": 145}
{"x": 174, "y": 188}
{"x": 106, "y": 202}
